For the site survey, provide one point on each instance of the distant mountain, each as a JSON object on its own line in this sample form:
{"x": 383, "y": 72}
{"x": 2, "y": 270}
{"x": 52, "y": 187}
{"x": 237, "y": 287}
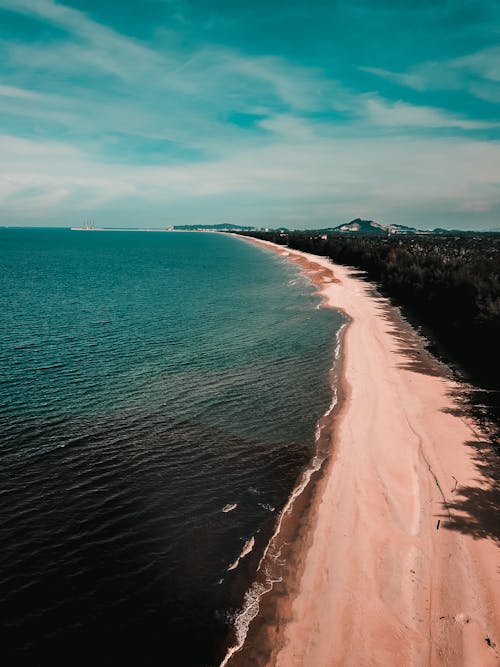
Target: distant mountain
{"x": 366, "y": 227}
{"x": 356, "y": 227}
{"x": 220, "y": 227}
{"x": 359, "y": 226}
{"x": 402, "y": 229}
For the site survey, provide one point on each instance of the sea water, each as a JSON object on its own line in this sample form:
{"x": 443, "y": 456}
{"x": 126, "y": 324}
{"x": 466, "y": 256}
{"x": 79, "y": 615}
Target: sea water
{"x": 158, "y": 402}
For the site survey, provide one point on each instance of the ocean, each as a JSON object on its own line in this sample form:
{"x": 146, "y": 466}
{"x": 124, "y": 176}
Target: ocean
{"x": 159, "y": 398}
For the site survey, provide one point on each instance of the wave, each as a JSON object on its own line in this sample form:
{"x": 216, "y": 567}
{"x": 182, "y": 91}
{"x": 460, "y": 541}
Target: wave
{"x": 230, "y": 507}
{"x": 265, "y": 579}
{"x": 266, "y": 506}
{"x": 247, "y": 548}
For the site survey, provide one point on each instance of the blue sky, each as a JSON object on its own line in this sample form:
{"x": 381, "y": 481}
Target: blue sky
{"x": 305, "y": 114}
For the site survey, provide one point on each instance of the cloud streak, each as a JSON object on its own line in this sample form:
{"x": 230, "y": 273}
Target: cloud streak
{"x": 478, "y": 73}
{"x": 98, "y": 121}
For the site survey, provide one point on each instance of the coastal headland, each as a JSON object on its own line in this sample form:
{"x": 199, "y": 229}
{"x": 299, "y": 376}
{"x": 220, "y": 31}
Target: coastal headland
{"x": 399, "y": 562}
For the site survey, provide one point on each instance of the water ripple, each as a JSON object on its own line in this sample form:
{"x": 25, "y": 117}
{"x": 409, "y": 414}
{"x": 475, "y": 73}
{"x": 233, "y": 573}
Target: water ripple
{"x": 134, "y": 405}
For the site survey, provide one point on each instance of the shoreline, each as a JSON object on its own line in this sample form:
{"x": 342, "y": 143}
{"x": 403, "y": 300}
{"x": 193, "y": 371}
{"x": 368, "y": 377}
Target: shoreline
{"x": 275, "y": 575}
{"x": 393, "y": 566}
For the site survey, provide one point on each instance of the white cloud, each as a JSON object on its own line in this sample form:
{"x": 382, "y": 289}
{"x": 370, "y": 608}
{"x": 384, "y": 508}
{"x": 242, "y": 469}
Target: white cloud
{"x": 200, "y": 73}
{"x": 404, "y": 79}
{"x": 400, "y": 114}
{"x": 484, "y": 63}
{"x": 288, "y": 165}
{"x": 20, "y": 93}
{"x": 374, "y": 175}
{"x": 288, "y": 127}
{"x": 477, "y": 73}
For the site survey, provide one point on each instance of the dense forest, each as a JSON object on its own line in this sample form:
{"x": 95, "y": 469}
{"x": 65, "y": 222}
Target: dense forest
{"x": 449, "y": 285}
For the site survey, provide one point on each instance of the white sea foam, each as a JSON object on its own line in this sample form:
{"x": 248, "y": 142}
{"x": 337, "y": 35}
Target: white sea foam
{"x": 247, "y": 548}
{"x": 245, "y": 616}
{"x": 266, "y": 506}
{"x": 229, "y": 507}
{"x": 251, "y": 601}
{"x": 338, "y": 337}
{"x": 249, "y": 545}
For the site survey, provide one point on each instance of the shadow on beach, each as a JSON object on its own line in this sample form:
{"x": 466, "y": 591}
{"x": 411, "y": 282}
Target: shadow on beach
{"x": 472, "y": 510}
{"x": 411, "y": 341}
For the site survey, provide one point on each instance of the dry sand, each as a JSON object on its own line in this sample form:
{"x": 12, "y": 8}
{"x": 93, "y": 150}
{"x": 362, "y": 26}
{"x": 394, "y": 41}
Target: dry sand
{"x": 401, "y": 564}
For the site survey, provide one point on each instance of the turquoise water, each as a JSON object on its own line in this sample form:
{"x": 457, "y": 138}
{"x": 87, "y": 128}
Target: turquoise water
{"x": 148, "y": 380}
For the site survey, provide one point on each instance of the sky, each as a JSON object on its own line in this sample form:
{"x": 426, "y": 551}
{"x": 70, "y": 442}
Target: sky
{"x": 151, "y": 113}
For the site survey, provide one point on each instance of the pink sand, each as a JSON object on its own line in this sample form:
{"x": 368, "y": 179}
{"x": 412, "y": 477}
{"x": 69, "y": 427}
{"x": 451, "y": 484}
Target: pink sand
{"x": 381, "y": 584}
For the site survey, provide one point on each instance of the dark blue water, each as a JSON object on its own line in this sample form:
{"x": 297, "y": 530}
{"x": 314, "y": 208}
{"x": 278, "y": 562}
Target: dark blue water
{"x": 147, "y": 380}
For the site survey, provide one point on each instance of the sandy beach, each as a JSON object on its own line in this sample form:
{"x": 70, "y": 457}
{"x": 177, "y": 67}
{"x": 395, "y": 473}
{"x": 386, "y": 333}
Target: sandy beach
{"x": 401, "y": 561}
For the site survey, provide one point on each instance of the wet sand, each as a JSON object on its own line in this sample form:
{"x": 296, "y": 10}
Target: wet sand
{"x": 400, "y": 563}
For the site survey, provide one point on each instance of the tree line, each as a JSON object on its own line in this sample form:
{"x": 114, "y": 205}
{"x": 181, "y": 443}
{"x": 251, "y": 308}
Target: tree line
{"x": 448, "y": 284}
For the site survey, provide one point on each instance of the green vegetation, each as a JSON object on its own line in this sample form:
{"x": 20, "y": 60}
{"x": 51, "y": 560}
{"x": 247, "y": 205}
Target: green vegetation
{"x": 450, "y": 285}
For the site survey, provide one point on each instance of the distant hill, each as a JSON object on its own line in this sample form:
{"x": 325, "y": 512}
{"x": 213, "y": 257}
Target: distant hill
{"x": 403, "y": 229}
{"x": 356, "y": 227}
{"x": 222, "y": 227}
{"x": 359, "y": 226}
{"x": 363, "y": 227}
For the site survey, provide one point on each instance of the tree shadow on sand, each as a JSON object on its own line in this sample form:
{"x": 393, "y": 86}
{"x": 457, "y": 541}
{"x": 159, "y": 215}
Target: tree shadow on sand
{"x": 472, "y": 510}
{"x": 475, "y": 510}
{"x": 410, "y": 338}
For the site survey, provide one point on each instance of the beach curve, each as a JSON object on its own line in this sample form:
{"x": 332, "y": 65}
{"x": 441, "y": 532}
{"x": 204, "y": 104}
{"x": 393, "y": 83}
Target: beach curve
{"x": 392, "y": 572}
